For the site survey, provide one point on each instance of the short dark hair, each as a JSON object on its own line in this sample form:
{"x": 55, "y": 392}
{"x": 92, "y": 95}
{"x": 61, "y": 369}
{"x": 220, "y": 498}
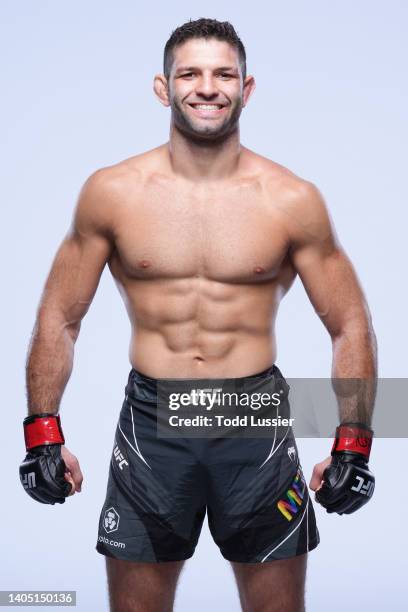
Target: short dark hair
{"x": 203, "y": 28}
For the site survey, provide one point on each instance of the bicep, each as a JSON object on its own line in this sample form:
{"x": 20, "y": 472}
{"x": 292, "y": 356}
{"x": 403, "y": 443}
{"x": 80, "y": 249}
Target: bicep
{"x": 74, "y": 276}
{"x": 325, "y": 270}
{"x": 332, "y": 286}
{"x": 79, "y": 262}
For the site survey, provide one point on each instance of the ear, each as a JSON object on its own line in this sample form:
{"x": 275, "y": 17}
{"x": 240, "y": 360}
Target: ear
{"x": 161, "y": 89}
{"x": 249, "y": 88}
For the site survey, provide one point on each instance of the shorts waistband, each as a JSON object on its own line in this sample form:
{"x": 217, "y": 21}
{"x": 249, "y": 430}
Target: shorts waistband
{"x": 135, "y": 376}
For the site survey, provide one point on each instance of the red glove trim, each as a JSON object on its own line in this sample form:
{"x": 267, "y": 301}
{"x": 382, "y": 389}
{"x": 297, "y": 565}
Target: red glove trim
{"x": 353, "y": 438}
{"x": 40, "y": 429}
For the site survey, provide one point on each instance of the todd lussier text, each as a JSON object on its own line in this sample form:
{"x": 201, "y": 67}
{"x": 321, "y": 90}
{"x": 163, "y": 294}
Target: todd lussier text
{"x": 223, "y": 421}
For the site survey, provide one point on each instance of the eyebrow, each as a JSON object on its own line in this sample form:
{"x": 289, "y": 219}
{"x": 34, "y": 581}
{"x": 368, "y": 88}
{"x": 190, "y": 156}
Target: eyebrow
{"x": 193, "y": 68}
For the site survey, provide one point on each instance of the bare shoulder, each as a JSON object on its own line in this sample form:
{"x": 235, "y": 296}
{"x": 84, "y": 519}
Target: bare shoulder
{"x": 110, "y": 188}
{"x": 300, "y": 201}
{"x": 120, "y": 177}
{"x": 96, "y": 201}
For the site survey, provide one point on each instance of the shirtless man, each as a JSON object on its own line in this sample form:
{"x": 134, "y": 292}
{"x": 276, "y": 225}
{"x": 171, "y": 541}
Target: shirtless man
{"x": 204, "y": 238}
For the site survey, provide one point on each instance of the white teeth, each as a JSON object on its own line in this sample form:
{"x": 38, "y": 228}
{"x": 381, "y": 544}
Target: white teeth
{"x": 207, "y": 106}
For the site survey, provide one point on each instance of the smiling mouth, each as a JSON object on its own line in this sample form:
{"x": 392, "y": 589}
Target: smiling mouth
{"x": 208, "y": 108}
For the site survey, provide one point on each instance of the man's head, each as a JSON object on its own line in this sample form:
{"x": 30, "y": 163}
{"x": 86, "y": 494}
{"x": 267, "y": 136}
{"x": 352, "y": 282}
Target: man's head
{"x": 204, "y": 80}
{"x": 203, "y": 28}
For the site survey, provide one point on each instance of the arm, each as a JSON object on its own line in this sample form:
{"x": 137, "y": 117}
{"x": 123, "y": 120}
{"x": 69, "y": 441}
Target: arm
{"x": 335, "y": 293}
{"x": 68, "y": 292}
{"x": 50, "y": 472}
{"x": 342, "y": 481}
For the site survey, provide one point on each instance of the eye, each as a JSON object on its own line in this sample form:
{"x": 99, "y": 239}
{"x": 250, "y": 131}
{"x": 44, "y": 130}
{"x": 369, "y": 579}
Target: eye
{"x": 187, "y": 74}
{"x": 225, "y": 75}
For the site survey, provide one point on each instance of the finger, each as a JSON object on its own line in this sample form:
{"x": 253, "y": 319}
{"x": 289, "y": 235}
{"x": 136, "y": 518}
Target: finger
{"x": 69, "y": 479}
{"x": 317, "y": 476}
{"x": 320, "y": 486}
{"x": 76, "y": 474}
{"x": 317, "y": 480}
{"x": 76, "y": 484}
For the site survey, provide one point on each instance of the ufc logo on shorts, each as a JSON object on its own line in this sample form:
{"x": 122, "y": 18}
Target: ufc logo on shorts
{"x": 28, "y": 480}
{"x": 119, "y": 457}
{"x": 365, "y": 488}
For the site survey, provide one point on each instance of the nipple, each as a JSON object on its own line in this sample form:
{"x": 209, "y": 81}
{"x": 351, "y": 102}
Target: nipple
{"x": 259, "y": 270}
{"x": 144, "y": 263}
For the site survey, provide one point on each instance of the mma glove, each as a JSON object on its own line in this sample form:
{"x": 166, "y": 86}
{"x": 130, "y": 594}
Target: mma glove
{"x": 42, "y": 471}
{"x": 348, "y": 484}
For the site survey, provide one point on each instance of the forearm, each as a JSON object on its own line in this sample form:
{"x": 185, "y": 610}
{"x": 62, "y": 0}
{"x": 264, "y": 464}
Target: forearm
{"x": 49, "y": 362}
{"x": 354, "y": 371}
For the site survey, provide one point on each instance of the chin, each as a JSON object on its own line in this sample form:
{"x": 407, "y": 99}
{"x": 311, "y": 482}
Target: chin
{"x": 209, "y": 131}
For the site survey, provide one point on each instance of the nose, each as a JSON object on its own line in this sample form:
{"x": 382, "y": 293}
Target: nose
{"x": 205, "y": 86}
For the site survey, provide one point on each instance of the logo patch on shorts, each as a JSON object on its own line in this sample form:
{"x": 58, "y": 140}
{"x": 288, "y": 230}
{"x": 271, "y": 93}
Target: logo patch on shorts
{"x": 289, "y": 507}
{"x": 119, "y": 458}
{"x": 111, "y": 520}
{"x": 292, "y": 453}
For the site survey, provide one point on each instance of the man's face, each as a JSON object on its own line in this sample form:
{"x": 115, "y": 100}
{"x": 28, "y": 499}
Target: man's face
{"x": 205, "y": 88}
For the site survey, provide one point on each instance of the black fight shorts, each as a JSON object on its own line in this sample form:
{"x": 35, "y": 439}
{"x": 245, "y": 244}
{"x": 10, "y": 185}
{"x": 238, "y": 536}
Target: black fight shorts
{"x": 159, "y": 489}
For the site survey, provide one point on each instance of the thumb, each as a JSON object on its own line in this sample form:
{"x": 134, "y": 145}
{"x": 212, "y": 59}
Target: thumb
{"x": 74, "y": 475}
{"x": 68, "y": 478}
{"x": 317, "y": 475}
{"x": 73, "y": 472}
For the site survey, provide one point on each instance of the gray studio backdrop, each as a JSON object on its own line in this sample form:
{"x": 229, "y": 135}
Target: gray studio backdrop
{"x": 330, "y": 104}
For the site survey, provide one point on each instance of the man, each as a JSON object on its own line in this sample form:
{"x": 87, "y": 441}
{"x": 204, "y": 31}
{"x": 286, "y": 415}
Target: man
{"x": 203, "y": 238}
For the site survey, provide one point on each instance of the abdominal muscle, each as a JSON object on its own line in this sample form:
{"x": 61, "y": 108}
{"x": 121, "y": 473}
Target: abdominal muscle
{"x": 198, "y": 328}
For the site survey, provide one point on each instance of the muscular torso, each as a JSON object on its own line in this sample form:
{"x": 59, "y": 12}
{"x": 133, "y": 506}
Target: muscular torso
{"x": 201, "y": 268}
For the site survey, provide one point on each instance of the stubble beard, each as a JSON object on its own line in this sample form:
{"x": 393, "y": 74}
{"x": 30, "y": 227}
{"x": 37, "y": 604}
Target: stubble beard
{"x": 205, "y": 133}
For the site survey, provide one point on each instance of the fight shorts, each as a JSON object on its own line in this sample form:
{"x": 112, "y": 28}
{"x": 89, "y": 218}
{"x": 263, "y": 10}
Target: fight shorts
{"x": 159, "y": 489}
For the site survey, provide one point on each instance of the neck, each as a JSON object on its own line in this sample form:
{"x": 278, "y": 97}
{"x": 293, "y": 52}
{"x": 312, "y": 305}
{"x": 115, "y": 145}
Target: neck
{"x": 201, "y": 160}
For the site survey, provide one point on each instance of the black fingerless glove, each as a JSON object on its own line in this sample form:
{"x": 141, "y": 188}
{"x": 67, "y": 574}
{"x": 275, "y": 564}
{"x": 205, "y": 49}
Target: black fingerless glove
{"x": 42, "y": 470}
{"x": 348, "y": 484}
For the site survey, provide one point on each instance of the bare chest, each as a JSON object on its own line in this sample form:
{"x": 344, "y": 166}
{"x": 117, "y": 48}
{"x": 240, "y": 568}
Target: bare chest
{"x": 228, "y": 236}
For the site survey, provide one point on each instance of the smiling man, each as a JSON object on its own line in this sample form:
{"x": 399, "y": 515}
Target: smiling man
{"x": 203, "y": 238}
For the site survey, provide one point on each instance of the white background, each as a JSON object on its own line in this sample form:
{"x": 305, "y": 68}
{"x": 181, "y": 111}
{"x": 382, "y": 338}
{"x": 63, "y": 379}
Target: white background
{"x": 331, "y": 105}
